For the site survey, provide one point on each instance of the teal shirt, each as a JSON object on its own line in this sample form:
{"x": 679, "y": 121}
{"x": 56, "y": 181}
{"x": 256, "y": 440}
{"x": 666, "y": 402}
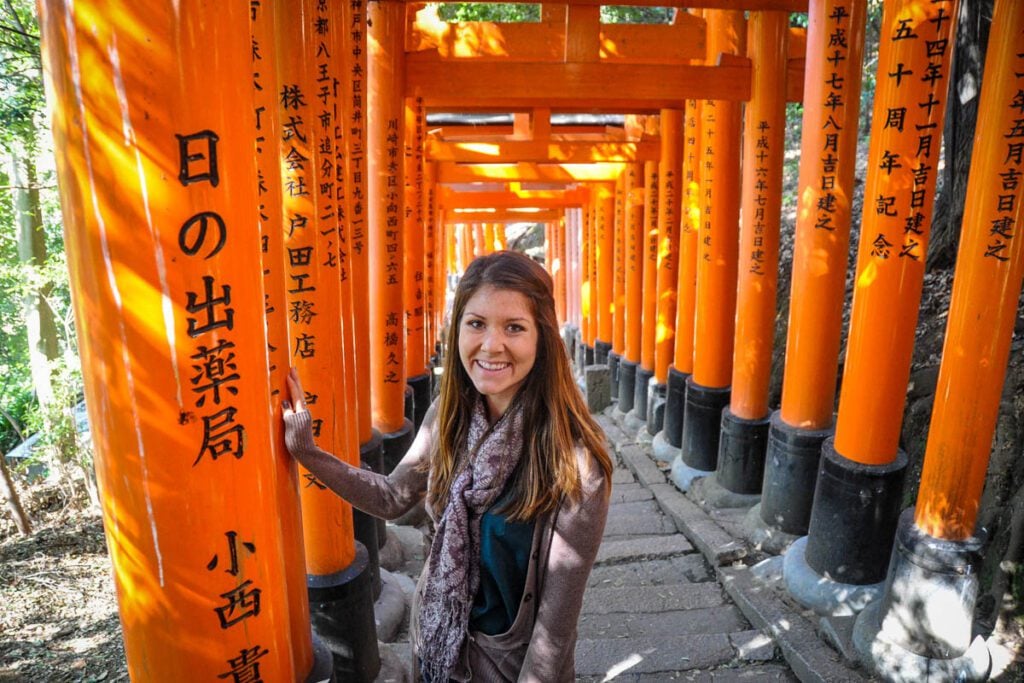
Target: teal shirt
{"x": 504, "y": 560}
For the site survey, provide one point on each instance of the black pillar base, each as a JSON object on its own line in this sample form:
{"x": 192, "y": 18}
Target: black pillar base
{"x": 341, "y": 609}
{"x": 420, "y": 386}
{"x": 627, "y": 384}
{"x": 655, "y": 407}
{"x": 408, "y": 405}
{"x": 675, "y": 405}
{"x": 371, "y": 454}
{"x": 323, "y": 663}
{"x": 741, "y": 450}
{"x": 588, "y": 355}
{"x": 853, "y": 521}
{"x": 581, "y": 356}
{"x": 396, "y": 444}
{"x": 569, "y": 335}
{"x": 926, "y": 571}
{"x": 702, "y": 425}
{"x": 365, "y": 527}
{"x": 790, "y": 473}
{"x": 614, "y": 362}
{"x": 643, "y": 379}
{"x": 601, "y": 351}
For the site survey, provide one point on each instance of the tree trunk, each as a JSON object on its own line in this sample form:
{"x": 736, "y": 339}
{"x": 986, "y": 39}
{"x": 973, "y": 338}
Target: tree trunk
{"x": 11, "y": 500}
{"x": 958, "y": 136}
{"x": 39, "y": 319}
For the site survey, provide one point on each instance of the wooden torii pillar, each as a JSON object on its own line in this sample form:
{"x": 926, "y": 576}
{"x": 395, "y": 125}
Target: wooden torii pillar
{"x": 923, "y": 624}
{"x": 745, "y": 422}
{"x": 385, "y": 134}
{"x": 165, "y": 266}
{"x": 707, "y": 389}
{"x": 860, "y": 478}
{"x": 820, "y": 254}
{"x": 339, "y": 572}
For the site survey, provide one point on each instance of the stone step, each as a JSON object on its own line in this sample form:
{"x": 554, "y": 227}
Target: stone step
{"x": 680, "y": 569}
{"x": 615, "y": 656}
{"x": 629, "y": 493}
{"x": 617, "y": 551}
{"x": 652, "y": 599}
{"x": 638, "y": 507}
{"x": 620, "y": 475}
{"x": 638, "y": 525}
{"x": 720, "y": 619}
{"x": 751, "y": 673}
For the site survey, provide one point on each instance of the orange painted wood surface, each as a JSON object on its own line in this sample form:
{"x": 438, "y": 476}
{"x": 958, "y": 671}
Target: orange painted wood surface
{"x": 820, "y": 252}
{"x": 986, "y": 289}
{"x": 903, "y": 159}
{"x": 162, "y": 228}
{"x": 758, "y": 264}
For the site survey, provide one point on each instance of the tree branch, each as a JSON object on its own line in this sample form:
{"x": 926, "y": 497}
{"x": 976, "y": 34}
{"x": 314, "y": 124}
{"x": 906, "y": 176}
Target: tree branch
{"x": 14, "y": 13}
{"x": 19, "y": 32}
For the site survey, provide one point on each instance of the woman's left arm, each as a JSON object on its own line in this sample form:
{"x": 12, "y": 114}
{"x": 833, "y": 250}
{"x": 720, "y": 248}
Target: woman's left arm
{"x": 577, "y": 536}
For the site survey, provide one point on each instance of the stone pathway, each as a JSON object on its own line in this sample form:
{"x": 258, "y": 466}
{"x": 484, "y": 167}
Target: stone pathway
{"x": 654, "y": 610}
{"x": 675, "y": 594}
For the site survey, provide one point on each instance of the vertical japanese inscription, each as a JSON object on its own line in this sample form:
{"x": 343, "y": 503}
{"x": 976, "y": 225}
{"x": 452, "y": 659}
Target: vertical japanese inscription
{"x": 763, "y": 145}
{"x": 911, "y": 129}
{"x": 1001, "y": 229}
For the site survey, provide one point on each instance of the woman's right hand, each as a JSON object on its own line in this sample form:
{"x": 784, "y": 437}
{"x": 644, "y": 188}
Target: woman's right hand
{"x": 298, "y": 424}
{"x": 298, "y": 396}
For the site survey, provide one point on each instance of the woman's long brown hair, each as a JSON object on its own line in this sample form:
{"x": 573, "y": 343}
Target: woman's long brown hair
{"x": 555, "y": 416}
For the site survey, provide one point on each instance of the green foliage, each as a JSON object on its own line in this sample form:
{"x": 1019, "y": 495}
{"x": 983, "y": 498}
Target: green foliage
{"x": 21, "y": 120}
{"x": 505, "y": 12}
{"x": 21, "y": 86}
{"x": 516, "y": 12}
{"x": 628, "y": 14}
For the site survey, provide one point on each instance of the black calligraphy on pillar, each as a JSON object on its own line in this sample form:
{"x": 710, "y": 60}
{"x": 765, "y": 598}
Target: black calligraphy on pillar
{"x": 356, "y": 131}
{"x": 834, "y": 109}
{"x": 1008, "y": 195}
{"x": 762, "y": 149}
{"x": 210, "y": 314}
{"x": 911, "y": 132}
{"x": 707, "y": 169}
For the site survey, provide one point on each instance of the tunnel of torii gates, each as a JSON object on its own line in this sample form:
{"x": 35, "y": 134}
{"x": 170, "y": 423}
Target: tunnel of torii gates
{"x": 249, "y": 186}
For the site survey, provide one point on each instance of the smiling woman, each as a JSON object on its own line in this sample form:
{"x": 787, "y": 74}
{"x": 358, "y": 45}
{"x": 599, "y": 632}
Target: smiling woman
{"x": 516, "y": 478}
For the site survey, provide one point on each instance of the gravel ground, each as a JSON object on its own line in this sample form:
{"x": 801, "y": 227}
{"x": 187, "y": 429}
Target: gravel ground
{"x": 58, "y": 608}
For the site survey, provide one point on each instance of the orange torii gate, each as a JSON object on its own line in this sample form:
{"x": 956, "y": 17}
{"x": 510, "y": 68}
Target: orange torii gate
{"x": 436, "y": 67}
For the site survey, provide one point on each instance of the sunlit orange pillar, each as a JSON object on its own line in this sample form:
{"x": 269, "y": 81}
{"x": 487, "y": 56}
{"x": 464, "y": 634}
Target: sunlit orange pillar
{"x": 707, "y": 389}
{"x": 166, "y": 279}
{"x": 490, "y": 237}
{"x": 340, "y": 576}
{"x": 982, "y": 312}
{"x": 434, "y": 259}
{"x": 820, "y": 251}
{"x": 588, "y": 291}
{"x": 479, "y": 240}
{"x": 744, "y": 437}
{"x": 414, "y": 234}
{"x": 650, "y": 296}
{"x": 266, "y": 132}
{"x": 604, "y": 266}
{"x": 573, "y": 284}
{"x": 618, "y": 284}
{"x": 500, "y": 241}
{"x": 558, "y": 267}
{"x": 386, "y": 182}
{"x": 686, "y": 287}
{"x": 633, "y": 267}
{"x": 355, "y": 223}
{"x": 860, "y": 481}
{"x": 670, "y": 189}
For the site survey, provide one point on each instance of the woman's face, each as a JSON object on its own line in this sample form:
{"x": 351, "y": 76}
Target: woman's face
{"x": 497, "y": 344}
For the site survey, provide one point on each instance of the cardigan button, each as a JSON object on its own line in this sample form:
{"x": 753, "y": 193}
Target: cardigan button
{"x": 528, "y": 597}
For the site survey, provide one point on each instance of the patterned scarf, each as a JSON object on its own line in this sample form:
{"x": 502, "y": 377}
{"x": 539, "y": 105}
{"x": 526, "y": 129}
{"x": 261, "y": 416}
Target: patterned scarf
{"x": 454, "y": 560}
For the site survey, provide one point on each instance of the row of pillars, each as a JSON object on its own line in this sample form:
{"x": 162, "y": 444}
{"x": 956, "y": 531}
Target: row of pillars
{"x": 201, "y": 271}
{"x": 230, "y": 213}
{"x": 677, "y": 273}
